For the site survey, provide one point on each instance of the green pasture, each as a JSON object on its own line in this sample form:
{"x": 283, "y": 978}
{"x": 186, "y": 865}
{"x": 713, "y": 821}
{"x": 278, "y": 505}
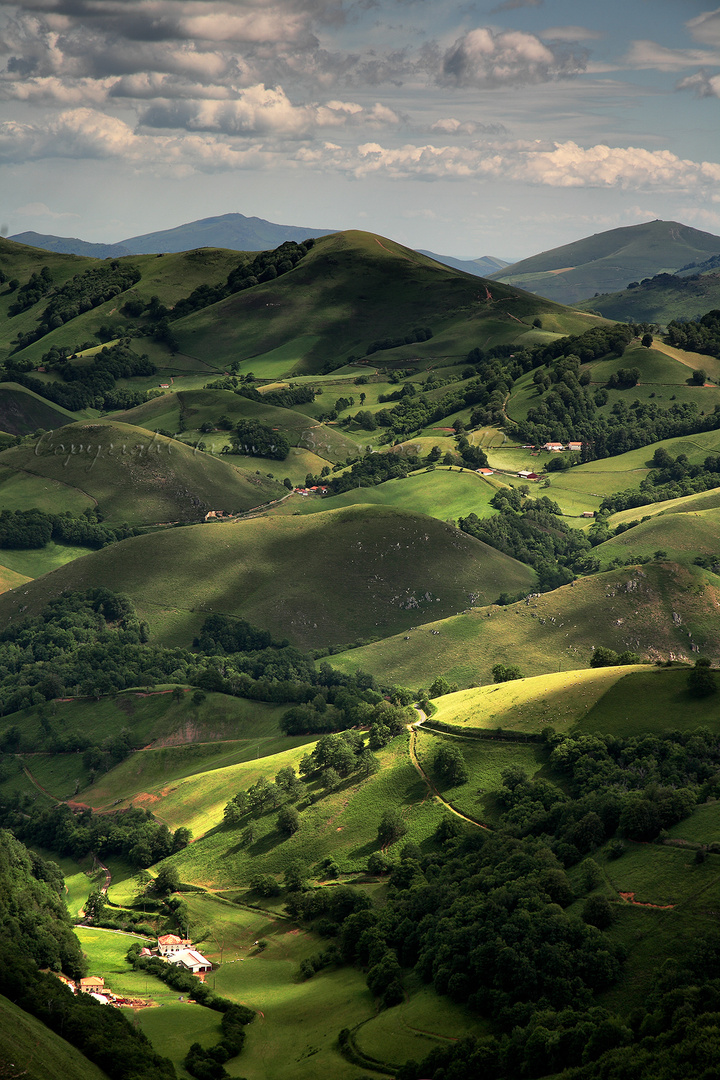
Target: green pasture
{"x": 137, "y": 477}
{"x": 10, "y": 579}
{"x": 156, "y": 718}
{"x": 445, "y": 493}
{"x": 20, "y": 491}
{"x": 702, "y": 827}
{"x": 412, "y": 1029}
{"x": 665, "y": 875}
{"x": 35, "y": 562}
{"x": 623, "y": 609}
{"x": 560, "y": 699}
{"x": 342, "y": 824}
{"x": 485, "y": 761}
{"x": 655, "y": 700}
{"x": 681, "y": 536}
{"x": 360, "y": 571}
{"x": 32, "y": 1051}
{"x": 686, "y": 504}
{"x": 176, "y": 1025}
{"x": 148, "y": 770}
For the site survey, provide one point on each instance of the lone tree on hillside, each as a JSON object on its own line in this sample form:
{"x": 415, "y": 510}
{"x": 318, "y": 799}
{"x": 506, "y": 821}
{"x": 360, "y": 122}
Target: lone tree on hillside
{"x": 701, "y": 681}
{"x": 450, "y": 765}
{"x": 506, "y": 673}
{"x": 391, "y": 827}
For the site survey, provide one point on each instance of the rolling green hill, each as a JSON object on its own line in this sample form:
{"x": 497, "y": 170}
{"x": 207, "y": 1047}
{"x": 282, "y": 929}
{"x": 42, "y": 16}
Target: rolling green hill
{"x": 22, "y": 411}
{"x": 351, "y": 289}
{"x": 608, "y": 261}
{"x": 681, "y": 536}
{"x": 30, "y": 1049}
{"x": 132, "y": 476}
{"x": 660, "y": 299}
{"x": 188, "y": 410}
{"x": 621, "y": 609}
{"x": 363, "y": 572}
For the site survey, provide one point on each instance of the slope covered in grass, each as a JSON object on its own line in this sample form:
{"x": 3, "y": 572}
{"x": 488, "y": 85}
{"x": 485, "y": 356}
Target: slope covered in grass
{"x": 661, "y": 299}
{"x": 31, "y": 1050}
{"x": 559, "y": 699}
{"x": 188, "y": 410}
{"x": 622, "y": 609}
{"x": 351, "y": 289}
{"x": 680, "y": 536}
{"x": 134, "y": 476}
{"x": 322, "y": 579}
{"x": 610, "y": 260}
{"x": 22, "y": 411}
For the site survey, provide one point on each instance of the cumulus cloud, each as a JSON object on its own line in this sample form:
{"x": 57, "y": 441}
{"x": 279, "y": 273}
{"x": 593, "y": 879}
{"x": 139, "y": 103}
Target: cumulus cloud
{"x": 509, "y": 58}
{"x": 41, "y": 210}
{"x": 263, "y": 110}
{"x": 562, "y": 165}
{"x": 703, "y": 84}
{"x": 88, "y": 134}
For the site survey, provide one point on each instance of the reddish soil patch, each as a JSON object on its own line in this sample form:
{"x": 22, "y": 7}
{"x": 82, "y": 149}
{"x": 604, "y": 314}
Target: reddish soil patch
{"x": 629, "y": 898}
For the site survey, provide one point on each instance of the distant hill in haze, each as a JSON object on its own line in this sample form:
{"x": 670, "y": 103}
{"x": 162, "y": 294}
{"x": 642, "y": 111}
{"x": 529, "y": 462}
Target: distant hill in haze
{"x": 70, "y": 245}
{"x": 662, "y": 298}
{"x": 234, "y": 232}
{"x": 607, "y": 262}
{"x": 482, "y": 267}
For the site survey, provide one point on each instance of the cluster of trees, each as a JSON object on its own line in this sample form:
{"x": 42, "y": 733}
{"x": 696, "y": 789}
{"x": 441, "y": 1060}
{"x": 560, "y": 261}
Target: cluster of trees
{"x": 533, "y": 531}
{"x": 92, "y": 385}
{"x": 258, "y": 440}
{"x": 82, "y": 293}
{"x": 92, "y": 643}
{"x": 38, "y": 285}
{"x": 603, "y": 657}
{"x": 420, "y": 333}
{"x": 702, "y": 336}
{"x": 670, "y": 478}
{"x": 288, "y": 398}
{"x": 35, "y": 529}
{"x": 36, "y": 932}
{"x": 133, "y": 834}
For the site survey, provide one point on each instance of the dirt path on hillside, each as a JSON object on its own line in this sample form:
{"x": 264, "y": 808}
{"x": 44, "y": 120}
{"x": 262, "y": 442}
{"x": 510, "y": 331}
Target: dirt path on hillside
{"x": 412, "y": 728}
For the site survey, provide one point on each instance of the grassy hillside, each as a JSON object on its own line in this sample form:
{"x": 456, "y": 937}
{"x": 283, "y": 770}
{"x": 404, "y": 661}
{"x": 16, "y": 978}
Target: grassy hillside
{"x": 22, "y": 411}
{"x": 29, "y": 1049}
{"x": 323, "y": 579}
{"x": 350, "y": 290}
{"x": 620, "y": 701}
{"x": 621, "y": 609}
{"x": 660, "y": 299}
{"x": 608, "y": 261}
{"x": 187, "y": 410}
{"x": 680, "y": 536}
{"x": 131, "y": 475}
{"x": 446, "y": 494}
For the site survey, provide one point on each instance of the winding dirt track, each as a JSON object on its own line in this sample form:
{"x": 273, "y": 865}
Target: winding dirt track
{"x": 428, "y": 781}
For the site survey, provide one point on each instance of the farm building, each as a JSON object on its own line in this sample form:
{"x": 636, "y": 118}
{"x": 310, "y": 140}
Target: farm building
{"x": 92, "y": 984}
{"x": 574, "y": 446}
{"x": 168, "y": 944}
{"x": 554, "y": 446}
{"x": 588, "y": 513}
{"x": 485, "y": 472}
{"x": 191, "y": 960}
{"x": 525, "y": 475}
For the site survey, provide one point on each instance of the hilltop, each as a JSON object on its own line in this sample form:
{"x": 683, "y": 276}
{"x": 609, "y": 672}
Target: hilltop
{"x": 352, "y": 297}
{"x": 129, "y": 474}
{"x": 361, "y": 572}
{"x": 606, "y": 262}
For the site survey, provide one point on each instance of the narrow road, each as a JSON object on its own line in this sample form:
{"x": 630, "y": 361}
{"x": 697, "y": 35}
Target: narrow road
{"x": 412, "y": 728}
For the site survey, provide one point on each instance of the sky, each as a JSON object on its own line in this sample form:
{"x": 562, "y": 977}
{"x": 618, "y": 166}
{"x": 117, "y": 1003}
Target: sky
{"x": 468, "y": 128}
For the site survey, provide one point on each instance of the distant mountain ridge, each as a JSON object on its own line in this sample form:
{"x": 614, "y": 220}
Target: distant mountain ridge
{"x": 234, "y": 232}
{"x": 482, "y": 267}
{"x": 607, "y": 262}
